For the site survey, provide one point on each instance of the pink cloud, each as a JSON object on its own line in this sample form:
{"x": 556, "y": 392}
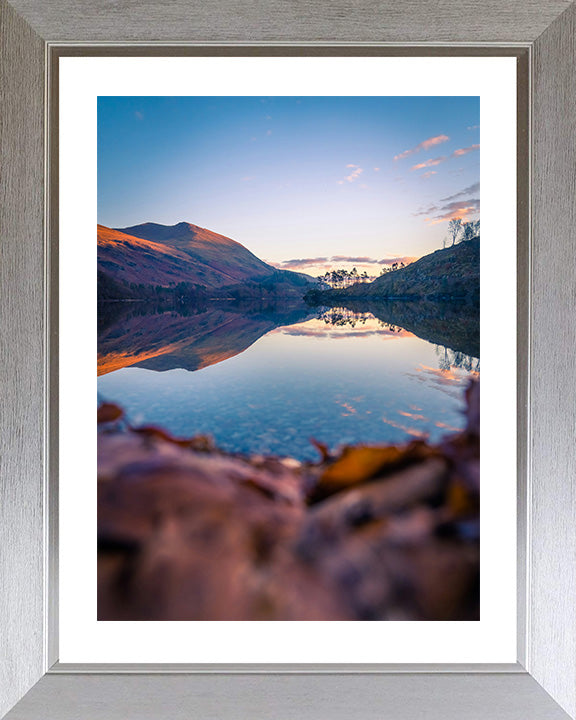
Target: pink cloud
{"x": 461, "y": 209}
{"x": 436, "y": 161}
{"x": 355, "y": 174}
{"x": 429, "y": 163}
{"x": 330, "y": 263}
{"x": 424, "y": 145}
{"x": 465, "y": 151}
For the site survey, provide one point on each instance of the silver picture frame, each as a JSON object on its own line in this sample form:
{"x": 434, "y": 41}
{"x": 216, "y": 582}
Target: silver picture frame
{"x": 33, "y": 684}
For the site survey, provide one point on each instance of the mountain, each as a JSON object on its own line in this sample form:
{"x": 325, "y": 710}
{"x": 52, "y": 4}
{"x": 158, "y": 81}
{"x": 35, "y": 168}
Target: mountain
{"x": 125, "y": 258}
{"x": 449, "y": 274}
{"x": 153, "y": 255}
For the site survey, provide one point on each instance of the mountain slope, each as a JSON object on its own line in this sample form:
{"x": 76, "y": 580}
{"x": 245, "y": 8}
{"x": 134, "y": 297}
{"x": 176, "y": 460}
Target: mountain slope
{"x": 219, "y": 260}
{"x": 126, "y": 258}
{"x": 449, "y": 274}
{"x": 161, "y": 255}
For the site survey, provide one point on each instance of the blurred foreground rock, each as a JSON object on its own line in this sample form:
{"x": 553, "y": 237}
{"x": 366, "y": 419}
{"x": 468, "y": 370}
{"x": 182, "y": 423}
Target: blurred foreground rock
{"x": 186, "y": 532}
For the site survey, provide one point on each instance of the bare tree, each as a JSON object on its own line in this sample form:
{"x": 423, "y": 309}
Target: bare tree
{"x": 454, "y": 227}
{"x": 468, "y": 231}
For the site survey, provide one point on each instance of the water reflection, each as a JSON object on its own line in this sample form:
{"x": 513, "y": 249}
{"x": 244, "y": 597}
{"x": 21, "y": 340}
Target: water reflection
{"x": 266, "y": 379}
{"x": 163, "y": 338}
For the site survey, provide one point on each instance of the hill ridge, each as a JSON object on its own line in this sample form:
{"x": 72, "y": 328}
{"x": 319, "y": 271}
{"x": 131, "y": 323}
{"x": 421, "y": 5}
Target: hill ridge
{"x": 446, "y": 274}
{"x": 152, "y": 255}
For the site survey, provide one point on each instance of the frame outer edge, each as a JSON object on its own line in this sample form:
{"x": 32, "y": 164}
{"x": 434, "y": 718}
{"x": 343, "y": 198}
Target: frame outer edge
{"x": 551, "y": 656}
{"x": 552, "y": 565}
{"x": 21, "y": 356}
{"x": 291, "y": 21}
{"x": 302, "y": 697}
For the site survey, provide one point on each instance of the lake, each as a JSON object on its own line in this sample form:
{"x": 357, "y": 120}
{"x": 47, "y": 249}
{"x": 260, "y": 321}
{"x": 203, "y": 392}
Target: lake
{"x": 266, "y": 380}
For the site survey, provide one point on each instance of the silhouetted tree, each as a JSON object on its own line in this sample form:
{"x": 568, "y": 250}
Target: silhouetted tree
{"x": 454, "y": 228}
{"x": 468, "y": 232}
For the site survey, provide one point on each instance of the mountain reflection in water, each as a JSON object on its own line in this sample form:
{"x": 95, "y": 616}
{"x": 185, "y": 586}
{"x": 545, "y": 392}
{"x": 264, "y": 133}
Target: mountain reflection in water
{"x": 266, "y": 379}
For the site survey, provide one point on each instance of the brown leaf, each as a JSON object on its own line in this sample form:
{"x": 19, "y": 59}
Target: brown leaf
{"x": 322, "y": 449}
{"x": 108, "y": 412}
{"x": 459, "y": 500}
{"x": 361, "y": 463}
{"x": 406, "y": 488}
{"x": 198, "y": 443}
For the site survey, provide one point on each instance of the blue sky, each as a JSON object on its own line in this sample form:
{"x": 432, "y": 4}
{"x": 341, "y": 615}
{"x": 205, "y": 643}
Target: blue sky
{"x": 299, "y": 181}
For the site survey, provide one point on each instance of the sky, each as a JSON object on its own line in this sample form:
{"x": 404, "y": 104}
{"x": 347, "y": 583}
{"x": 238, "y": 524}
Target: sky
{"x": 305, "y": 183}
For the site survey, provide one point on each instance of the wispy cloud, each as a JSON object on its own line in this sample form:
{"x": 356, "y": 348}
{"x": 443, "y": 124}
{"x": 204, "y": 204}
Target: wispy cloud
{"x": 424, "y": 145}
{"x": 436, "y": 161}
{"x": 462, "y": 209}
{"x": 474, "y": 188}
{"x": 354, "y": 175}
{"x": 352, "y": 259}
{"x": 297, "y": 263}
{"x": 472, "y": 127}
{"x": 139, "y": 115}
{"x": 428, "y": 174}
{"x": 465, "y": 151}
{"x": 406, "y": 259}
{"x": 329, "y": 263}
{"x": 426, "y": 211}
{"x": 430, "y": 163}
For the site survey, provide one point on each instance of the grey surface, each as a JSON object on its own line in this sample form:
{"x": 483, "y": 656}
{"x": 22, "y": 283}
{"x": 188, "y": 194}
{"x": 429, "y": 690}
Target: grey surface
{"x": 551, "y": 548}
{"x": 21, "y": 356}
{"x": 552, "y": 628}
{"x": 292, "y": 20}
{"x": 287, "y": 669}
{"x": 287, "y": 697}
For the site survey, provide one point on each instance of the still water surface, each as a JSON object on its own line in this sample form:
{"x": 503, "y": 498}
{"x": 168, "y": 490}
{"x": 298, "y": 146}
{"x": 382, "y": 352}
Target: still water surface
{"x": 336, "y": 376}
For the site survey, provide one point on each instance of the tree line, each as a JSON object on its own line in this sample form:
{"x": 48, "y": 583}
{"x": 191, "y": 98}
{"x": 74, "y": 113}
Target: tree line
{"x": 342, "y": 278}
{"x": 461, "y": 231}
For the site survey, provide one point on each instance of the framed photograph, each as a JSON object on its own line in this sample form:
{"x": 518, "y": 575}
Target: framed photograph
{"x": 296, "y": 499}
{"x": 330, "y": 383}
